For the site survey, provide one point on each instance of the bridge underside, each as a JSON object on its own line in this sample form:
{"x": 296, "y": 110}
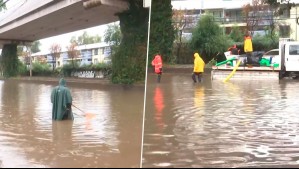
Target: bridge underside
{"x": 45, "y": 23}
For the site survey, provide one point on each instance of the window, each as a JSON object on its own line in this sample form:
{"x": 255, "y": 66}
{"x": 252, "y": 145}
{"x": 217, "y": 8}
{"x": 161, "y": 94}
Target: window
{"x": 96, "y": 51}
{"x": 89, "y": 59}
{"x": 103, "y": 51}
{"x": 294, "y": 50}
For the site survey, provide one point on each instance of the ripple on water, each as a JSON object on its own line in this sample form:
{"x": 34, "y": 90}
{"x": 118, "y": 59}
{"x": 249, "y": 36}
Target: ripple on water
{"x": 241, "y": 124}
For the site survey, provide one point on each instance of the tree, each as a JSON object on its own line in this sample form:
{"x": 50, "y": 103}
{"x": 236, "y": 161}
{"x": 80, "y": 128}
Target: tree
{"x": 181, "y": 19}
{"x": 162, "y": 32}
{"x": 208, "y": 38}
{"x": 85, "y": 39}
{"x": 128, "y": 62}
{"x": 113, "y": 36}
{"x": 9, "y": 60}
{"x": 35, "y": 46}
{"x": 24, "y": 54}
{"x": 55, "y": 50}
{"x": 73, "y": 52}
{"x": 277, "y": 9}
{"x": 179, "y": 23}
{"x": 236, "y": 34}
{"x": 2, "y": 5}
{"x": 254, "y": 14}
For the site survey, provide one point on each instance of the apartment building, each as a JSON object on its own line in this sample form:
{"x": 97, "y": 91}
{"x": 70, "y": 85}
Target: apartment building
{"x": 87, "y": 54}
{"x": 228, "y": 13}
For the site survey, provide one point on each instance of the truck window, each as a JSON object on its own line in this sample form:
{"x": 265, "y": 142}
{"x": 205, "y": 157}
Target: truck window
{"x": 294, "y": 50}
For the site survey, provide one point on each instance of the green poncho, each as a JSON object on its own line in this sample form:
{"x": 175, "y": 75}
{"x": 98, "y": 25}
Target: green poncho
{"x": 61, "y": 102}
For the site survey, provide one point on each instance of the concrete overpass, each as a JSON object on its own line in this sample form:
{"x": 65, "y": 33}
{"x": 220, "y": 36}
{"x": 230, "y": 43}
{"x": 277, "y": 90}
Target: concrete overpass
{"x": 32, "y": 20}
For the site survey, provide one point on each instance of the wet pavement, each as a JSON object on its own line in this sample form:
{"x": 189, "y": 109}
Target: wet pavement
{"x": 110, "y": 138}
{"x": 240, "y": 123}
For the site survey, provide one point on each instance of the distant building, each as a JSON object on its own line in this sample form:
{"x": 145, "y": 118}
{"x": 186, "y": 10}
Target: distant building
{"x": 228, "y": 13}
{"x": 87, "y": 54}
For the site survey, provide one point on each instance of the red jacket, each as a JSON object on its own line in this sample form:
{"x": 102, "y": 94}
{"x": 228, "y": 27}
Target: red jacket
{"x": 157, "y": 63}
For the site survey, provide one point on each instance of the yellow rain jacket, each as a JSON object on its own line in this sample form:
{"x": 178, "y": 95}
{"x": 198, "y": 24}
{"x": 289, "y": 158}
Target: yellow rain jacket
{"x": 199, "y": 64}
{"x": 248, "y": 44}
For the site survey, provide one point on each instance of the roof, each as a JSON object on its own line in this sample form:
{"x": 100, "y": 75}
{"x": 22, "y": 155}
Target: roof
{"x": 81, "y": 47}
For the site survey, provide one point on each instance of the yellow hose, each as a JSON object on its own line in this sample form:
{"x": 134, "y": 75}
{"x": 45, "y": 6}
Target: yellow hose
{"x": 233, "y": 72}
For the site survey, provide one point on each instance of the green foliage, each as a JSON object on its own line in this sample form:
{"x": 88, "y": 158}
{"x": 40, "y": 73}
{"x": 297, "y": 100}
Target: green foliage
{"x": 41, "y": 69}
{"x": 208, "y": 38}
{"x": 20, "y": 50}
{"x": 22, "y": 68}
{"x": 128, "y": 63}
{"x": 67, "y": 69}
{"x": 185, "y": 55}
{"x": 35, "y": 47}
{"x": 85, "y": 39}
{"x": 265, "y": 43}
{"x": 113, "y": 34}
{"x": 162, "y": 32}
{"x": 9, "y": 60}
{"x": 2, "y": 5}
{"x": 236, "y": 34}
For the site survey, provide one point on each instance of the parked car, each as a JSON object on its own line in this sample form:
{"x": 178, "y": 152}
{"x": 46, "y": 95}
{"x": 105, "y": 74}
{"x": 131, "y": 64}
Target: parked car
{"x": 272, "y": 55}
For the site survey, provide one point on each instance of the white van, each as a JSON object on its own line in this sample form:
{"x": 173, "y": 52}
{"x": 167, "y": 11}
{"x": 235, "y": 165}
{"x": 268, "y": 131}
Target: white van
{"x": 289, "y": 53}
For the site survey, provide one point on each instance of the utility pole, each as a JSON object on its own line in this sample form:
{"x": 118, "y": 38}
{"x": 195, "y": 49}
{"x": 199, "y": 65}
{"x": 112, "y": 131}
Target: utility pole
{"x": 30, "y": 59}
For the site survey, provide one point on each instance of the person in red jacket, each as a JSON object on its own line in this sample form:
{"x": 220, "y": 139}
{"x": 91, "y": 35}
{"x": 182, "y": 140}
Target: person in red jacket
{"x": 158, "y": 63}
{"x": 234, "y": 50}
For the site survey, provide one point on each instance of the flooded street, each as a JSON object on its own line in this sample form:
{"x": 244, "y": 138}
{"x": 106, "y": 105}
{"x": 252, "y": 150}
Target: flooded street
{"x": 216, "y": 124}
{"x": 110, "y": 138}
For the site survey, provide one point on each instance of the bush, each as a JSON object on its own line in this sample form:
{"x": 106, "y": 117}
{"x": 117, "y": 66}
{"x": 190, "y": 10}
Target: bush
{"x": 41, "y": 69}
{"x": 208, "y": 38}
{"x": 185, "y": 55}
{"x": 67, "y": 69}
{"x": 22, "y": 68}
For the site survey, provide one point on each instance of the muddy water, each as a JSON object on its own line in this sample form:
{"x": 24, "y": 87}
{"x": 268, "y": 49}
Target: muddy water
{"x": 216, "y": 124}
{"x": 110, "y": 138}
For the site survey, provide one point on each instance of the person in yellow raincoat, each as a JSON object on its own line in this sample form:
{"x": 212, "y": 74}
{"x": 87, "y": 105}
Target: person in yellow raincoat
{"x": 199, "y": 66}
{"x": 248, "y": 47}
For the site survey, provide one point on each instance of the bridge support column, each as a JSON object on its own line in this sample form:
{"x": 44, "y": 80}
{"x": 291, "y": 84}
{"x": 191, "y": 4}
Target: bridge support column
{"x": 9, "y": 60}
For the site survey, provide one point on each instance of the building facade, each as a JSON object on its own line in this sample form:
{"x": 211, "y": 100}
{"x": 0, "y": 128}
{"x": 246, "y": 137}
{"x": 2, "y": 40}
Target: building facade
{"x": 229, "y": 13}
{"x": 86, "y": 55}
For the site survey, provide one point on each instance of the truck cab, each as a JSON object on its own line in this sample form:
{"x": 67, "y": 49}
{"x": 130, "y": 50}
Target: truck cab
{"x": 289, "y": 53}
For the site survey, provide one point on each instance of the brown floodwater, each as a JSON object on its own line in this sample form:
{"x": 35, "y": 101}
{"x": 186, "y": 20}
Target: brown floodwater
{"x": 241, "y": 123}
{"x": 110, "y": 138}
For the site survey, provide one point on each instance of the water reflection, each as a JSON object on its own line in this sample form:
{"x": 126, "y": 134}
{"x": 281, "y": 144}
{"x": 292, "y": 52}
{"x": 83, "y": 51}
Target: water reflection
{"x": 216, "y": 124}
{"x": 159, "y": 105}
{"x": 29, "y": 137}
